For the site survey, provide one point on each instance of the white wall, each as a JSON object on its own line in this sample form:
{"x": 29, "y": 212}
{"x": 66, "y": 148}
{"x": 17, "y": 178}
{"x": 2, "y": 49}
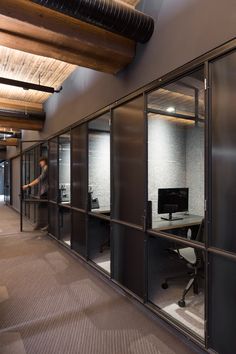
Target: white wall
{"x": 64, "y": 167}
{"x": 176, "y": 160}
{"x": 99, "y": 167}
{"x": 166, "y": 157}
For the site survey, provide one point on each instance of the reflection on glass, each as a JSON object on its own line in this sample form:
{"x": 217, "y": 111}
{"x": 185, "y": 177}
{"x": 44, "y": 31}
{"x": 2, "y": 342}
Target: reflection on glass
{"x": 99, "y": 242}
{"x": 65, "y": 225}
{"x": 64, "y": 168}
{"x": 78, "y": 234}
{"x": 99, "y": 165}
{"x": 53, "y": 169}
{"x": 176, "y": 130}
{"x": 53, "y": 220}
{"x": 176, "y": 282}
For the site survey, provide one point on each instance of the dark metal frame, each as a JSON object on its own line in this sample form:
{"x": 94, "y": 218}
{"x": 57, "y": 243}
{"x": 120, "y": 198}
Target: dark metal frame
{"x": 171, "y": 77}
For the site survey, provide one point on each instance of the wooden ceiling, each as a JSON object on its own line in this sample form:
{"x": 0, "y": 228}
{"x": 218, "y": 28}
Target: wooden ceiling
{"x": 22, "y": 66}
{"x": 40, "y": 46}
{"x": 35, "y": 29}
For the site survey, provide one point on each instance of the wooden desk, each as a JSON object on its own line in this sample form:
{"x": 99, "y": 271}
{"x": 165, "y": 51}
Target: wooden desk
{"x": 101, "y": 211}
{"x": 159, "y": 224}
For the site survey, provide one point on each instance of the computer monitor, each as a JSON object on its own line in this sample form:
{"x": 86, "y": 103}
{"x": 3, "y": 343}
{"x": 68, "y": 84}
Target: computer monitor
{"x": 172, "y": 200}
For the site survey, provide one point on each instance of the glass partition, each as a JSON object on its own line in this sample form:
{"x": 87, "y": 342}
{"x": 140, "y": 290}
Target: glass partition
{"x": 99, "y": 242}
{"x": 222, "y": 309}
{"x": 176, "y": 282}
{"x": 53, "y": 169}
{"x": 65, "y": 225}
{"x": 223, "y": 84}
{"x": 53, "y": 221}
{"x": 99, "y": 165}
{"x": 78, "y": 235}
{"x": 128, "y": 258}
{"x": 129, "y": 162}
{"x": 176, "y": 150}
{"x": 64, "y": 169}
{"x": 34, "y": 206}
{"x": 79, "y": 160}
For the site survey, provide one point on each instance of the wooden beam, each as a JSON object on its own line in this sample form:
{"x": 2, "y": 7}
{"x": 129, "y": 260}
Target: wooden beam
{"x": 9, "y": 142}
{"x": 20, "y": 106}
{"x": 32, "y": 28}
{"x": 20, "y": 123}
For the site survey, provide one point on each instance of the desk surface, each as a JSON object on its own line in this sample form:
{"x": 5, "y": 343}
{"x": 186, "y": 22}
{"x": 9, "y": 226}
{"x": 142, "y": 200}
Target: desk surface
{"x": 188, "y": 220}
{"x": 101, "y": 210}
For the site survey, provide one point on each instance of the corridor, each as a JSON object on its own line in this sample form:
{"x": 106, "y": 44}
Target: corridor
{"x": 50, "y": 302}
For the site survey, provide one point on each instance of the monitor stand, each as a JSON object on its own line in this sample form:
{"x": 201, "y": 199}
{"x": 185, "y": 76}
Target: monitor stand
{"x": 171, "y": 218}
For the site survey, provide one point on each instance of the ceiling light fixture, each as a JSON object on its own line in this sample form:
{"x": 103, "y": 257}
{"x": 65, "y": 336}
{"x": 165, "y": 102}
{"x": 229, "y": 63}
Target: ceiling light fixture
{"x": 28, "y": 86}
{"x": 170, "y": 109}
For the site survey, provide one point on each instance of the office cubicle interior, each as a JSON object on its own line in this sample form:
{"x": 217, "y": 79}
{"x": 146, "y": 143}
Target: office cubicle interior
{"x": 176, "y": 160}
{"x": 64, "y": 192}
{"x": 99, "y": 136}
{"x": 166, "y": 138}
{"x": 64, "y": 168}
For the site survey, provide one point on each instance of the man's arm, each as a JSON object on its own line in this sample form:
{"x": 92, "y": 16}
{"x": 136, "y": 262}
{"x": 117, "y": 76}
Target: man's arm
{"x": 31, "y": 184}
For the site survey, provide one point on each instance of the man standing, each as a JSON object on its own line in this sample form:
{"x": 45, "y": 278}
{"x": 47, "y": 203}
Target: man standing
{"x": 42, "y": 181}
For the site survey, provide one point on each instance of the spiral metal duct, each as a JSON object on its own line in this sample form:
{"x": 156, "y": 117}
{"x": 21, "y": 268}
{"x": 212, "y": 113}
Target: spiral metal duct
{"x": 107, "y": 14}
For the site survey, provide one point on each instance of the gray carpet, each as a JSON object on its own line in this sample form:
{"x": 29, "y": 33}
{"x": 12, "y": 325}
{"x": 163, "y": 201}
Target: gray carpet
{"x": 52, "y": 303}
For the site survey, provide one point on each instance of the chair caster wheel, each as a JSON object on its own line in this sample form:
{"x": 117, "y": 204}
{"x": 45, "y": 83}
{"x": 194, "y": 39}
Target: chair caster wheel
{"x": 164, "y": 286}
{"x": 181, "y": 303}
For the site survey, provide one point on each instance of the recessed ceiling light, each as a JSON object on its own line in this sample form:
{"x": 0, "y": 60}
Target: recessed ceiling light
{"x": 170, "y": 109}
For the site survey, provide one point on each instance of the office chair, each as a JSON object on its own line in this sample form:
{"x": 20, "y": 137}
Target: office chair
{"x": 194, "y": 259}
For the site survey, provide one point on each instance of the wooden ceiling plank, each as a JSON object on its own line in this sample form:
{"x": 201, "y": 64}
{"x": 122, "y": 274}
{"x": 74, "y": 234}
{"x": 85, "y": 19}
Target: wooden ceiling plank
{"x": 23, "y": 67}
{"x": 32, "y": 28}
{"x": 20, "y": 106}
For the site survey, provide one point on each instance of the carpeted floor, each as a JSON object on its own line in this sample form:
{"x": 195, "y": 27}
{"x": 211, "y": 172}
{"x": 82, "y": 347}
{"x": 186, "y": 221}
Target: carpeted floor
{"x": 103, "y": 260}
{"x": 191, "y": 316}
{"x": 52, "y": 303}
